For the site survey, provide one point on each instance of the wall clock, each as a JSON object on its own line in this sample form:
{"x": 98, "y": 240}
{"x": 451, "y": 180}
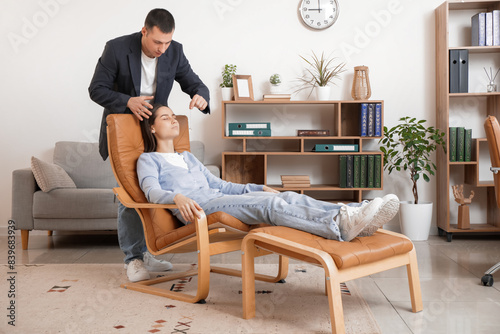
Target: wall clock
{"x": 319, "y": 14}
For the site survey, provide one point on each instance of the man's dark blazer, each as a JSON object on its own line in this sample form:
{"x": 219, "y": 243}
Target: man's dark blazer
{"x": 117, "y": 77}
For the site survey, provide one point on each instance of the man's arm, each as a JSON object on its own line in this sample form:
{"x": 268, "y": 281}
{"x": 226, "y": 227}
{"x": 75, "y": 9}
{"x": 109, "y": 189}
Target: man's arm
{"x": 190, "y": 83}
{"x": 102, "y": 84}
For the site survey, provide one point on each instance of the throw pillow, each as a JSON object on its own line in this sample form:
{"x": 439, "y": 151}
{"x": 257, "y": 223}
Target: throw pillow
{"x": 50, "y": 176}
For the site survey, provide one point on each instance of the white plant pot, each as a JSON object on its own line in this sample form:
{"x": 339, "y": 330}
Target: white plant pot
{"x": 323, "y": 93}
{"x": 415, "y": 219}
{"x": 275, "y": 89}
{"x": 227, "y": 93}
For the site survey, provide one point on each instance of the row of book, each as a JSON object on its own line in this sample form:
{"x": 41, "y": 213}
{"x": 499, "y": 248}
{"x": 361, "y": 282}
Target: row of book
{"x": 460, "y": 144}
{"x": 295, "y": 181}
{"x": 371, "y": 119}
{"x": 459, "y": 71}
{"x": 485, "y": 28}
{"x": 250, "y": 129}
{"x": 360, "y": 171}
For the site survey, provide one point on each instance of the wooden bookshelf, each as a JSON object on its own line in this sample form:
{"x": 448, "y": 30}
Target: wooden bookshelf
{"x": 255, "y": 156}
{"x": 446, "y": 169}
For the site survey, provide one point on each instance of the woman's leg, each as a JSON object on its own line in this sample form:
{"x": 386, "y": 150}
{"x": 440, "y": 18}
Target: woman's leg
{"x": 273, "y": 209}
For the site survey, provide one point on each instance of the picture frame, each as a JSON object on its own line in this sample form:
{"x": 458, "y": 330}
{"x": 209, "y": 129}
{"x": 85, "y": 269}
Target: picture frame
{"x": 243, "y": 89}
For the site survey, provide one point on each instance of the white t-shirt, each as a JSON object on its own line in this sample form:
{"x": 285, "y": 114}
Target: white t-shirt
{"x": 148, "y": 75}
{"x": 175, "y": 159}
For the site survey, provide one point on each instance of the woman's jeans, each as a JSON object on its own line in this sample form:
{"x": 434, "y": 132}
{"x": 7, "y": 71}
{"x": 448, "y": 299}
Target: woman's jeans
{"x": 283, "y": 209}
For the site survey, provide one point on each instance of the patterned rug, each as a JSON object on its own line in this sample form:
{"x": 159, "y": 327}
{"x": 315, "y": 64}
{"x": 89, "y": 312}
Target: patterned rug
{"x": 87, "y": 298}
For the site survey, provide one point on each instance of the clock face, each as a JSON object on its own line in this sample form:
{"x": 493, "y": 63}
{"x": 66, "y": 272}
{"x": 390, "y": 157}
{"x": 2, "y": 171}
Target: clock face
{"x": 319, "y": 14}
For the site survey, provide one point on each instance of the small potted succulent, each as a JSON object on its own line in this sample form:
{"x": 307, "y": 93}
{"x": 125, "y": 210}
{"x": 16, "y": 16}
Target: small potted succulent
{"x": 275, "y": 82}
{"x": 408, "y": 147}
{"x": 227, "y": 82}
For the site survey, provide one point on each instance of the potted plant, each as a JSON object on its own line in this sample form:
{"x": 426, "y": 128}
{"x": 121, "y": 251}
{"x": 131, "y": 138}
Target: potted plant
{"x": 275, "y": 81}
{"x": 227, "y": 82}
{"x": 319, "y": 74}
{"x": 408, "y": 147}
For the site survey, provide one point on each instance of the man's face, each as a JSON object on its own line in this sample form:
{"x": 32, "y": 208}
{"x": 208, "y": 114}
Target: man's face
{"x": 155, "y": 42}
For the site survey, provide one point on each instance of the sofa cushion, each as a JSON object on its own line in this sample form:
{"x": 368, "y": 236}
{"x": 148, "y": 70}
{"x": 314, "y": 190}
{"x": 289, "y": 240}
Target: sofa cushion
{"x": 75, "y": 203}
{"x": 84, "y": 164}
{"x": 50, "y": 176}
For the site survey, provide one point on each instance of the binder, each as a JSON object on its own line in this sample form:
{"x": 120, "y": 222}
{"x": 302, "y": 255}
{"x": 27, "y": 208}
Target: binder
{"x": 250, "y": 133}
{"x": 463, "y": 71}
{"x": 248, "y": 126}
{"x": 496, "y": 27}
{"x": 336, "y": 148}
{"x": 478, "y": 26}
{"x": 488, "y": 30}
{"x": 454, "y": 80}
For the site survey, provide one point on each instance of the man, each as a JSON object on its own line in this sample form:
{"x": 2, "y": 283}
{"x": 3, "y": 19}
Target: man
{"x": 133, "y": 72}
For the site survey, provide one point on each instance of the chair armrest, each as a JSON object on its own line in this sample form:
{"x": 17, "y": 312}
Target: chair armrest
{"x": 129, "y": 202}
{"x": 23, "y": 188}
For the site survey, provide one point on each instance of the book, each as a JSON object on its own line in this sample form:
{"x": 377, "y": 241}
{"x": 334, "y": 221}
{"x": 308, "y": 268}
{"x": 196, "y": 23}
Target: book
{"x": 468, "y": 145}
{"x": 370, "y": 171}
{"x": 364, "y": 119}
{"x": 488, "y": 29}
{"x": 460, "y": 143}
{"x": 295, "y": 178}
{"x": 248, "y": 126}
{"x": 463, "y": 71}
{"x": 378, "y": 120}
{"x": 453, "y": 144}
{"x": 343, "y": 171}
{"x": 296, "y": 185}
{"x": 478, "y": 26}
{"x": 277, "y": 96}
{"x": 350, "y": 170}
{"x": 371, "y": 120}
{"x": 336, "y": 148}
{"x": 363, "y": 171}
{"x": 356, "y": 171}
{"x": 496, "y": 27}
{"x": 454, "y": 79}
{"x": 312, "y": 133}
{"x": 377, "y": 177}
{"x": 250, "y": 133}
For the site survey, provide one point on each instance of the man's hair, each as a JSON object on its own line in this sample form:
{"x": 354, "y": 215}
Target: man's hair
{"x": 160, "y": 18}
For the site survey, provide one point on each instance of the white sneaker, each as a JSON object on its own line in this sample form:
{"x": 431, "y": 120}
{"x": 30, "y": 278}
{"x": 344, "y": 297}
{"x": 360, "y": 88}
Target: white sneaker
{"x": 136, "y": 271}
{"x": 153, "y": 264}
{"x": 387, "y": 211}
{"x": 354, "y": 219}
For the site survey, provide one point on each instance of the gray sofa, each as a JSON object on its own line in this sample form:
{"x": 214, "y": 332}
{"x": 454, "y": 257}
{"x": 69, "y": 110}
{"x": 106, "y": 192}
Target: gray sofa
{"x": 90, "y": 206}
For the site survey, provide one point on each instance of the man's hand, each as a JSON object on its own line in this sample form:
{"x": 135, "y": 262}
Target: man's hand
{"x": 270, "y": 190}
{"x": 140, "y": 107}
{"x": 198, "y": 102}
{"x": 187, "y": 207}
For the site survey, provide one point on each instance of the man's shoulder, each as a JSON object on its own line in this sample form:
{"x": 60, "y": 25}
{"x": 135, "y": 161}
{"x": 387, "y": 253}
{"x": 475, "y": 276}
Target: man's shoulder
{"x": 125, "y": 40}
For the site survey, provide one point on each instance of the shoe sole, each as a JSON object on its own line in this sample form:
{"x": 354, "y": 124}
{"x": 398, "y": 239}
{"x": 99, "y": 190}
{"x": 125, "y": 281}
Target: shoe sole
{"x": 353, "y": 231}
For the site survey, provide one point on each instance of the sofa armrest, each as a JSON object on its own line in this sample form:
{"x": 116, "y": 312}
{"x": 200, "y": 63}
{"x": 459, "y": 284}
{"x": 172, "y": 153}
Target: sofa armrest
{"x": 23, "y": 188}
{"x": 198, "y": 150}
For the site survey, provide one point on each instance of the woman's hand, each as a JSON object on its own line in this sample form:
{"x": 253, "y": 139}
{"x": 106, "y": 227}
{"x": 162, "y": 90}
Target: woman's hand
{"x": 270, "y": 190}
{"x": 187, "y": 207}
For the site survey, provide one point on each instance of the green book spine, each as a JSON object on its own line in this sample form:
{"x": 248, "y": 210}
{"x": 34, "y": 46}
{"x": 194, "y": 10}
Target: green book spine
{"x": 350, "y": 172}
{"x": 371, "y": 170}
{"x": 343, "y": 171}
{"x": 362, "y": 173}
{"x": 453, "y": 144}
{"x": 377, "y": 177}
{"x": 468, "y": 144}
{"x": 357, "y": 171}
{"x": 460, "y": 144}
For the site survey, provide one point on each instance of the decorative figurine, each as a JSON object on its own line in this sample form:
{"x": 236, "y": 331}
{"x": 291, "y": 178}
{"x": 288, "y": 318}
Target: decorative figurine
{"x": 463, "y": 209}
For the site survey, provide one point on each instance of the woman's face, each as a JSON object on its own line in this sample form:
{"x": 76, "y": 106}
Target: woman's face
{"x": 165, "y": 125}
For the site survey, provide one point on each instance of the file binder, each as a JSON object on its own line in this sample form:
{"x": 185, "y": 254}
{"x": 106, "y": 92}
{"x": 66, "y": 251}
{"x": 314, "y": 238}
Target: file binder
{"x": 248, "y": 126}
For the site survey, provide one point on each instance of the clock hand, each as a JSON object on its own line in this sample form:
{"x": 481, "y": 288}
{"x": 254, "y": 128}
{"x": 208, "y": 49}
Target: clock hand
{"x": 319, "y": 6}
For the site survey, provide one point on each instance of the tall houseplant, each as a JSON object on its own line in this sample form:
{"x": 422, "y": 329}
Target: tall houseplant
{"x": 227, "y": 81}
{"x": 408, "y": 147}
{"x": 320, "y": 73}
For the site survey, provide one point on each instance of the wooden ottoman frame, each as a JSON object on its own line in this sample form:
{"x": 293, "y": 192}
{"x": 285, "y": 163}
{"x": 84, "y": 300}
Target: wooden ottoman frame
{"x": 351, "y": 260}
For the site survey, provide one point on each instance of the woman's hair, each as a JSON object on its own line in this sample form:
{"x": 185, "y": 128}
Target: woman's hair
{"x": 147, "y": 135}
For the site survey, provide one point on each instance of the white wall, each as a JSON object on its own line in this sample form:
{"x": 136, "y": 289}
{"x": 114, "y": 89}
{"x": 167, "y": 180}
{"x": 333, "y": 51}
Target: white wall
{"x": 49, "y": 49}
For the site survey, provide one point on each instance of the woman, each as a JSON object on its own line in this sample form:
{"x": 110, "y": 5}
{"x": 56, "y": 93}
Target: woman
{"x": 168, "y": 177}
